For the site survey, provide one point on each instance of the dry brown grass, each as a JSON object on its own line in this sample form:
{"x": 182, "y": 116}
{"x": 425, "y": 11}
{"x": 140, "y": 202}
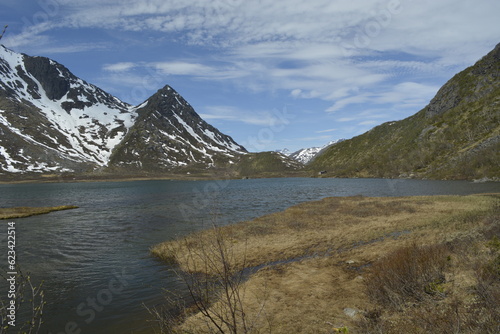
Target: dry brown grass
{"x": 21, "y": 212}
{"x": 321, "y": 254}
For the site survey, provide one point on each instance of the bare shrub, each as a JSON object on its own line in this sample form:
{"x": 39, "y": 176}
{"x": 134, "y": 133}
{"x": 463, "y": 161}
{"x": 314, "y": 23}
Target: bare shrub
{"x": 486, "y": 308}
{"x": 213, "y": 277}
{"x": 405, "y": 284}
{"x": 168, "y": 316}
{"x": 409, "y": 274}
{"x": 29, "y": 303}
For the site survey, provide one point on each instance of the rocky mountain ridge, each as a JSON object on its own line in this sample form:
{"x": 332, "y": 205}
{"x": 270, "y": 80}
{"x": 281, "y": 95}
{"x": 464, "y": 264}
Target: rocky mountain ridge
{"x": 52, "y": 121}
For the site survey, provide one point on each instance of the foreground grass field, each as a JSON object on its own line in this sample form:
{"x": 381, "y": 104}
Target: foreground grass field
{"x": 21, "y": 212}
{"x": 351, "y": 264}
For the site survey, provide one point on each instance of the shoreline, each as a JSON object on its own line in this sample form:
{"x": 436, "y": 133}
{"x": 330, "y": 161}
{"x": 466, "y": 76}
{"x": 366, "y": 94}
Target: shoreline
{"x": 127, "y": 178}
{"x": 326, "y": 250}
{"x": 199, "y": 177}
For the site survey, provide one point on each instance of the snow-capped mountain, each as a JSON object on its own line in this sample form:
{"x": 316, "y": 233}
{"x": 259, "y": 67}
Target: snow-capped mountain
{"x": 285, "y": 151}
{"x": 169, "y": 133}
{"x": 305, "y": 155}
{"x": 50, "y": 120}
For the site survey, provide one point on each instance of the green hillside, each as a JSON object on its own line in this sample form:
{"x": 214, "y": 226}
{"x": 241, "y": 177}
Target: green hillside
{"x": 457, "y": 136}
{"x": 267, "y": 164}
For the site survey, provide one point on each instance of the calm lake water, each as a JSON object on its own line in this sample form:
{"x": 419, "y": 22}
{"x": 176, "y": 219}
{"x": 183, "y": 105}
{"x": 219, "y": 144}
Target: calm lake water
{"x": 95, "y": 262}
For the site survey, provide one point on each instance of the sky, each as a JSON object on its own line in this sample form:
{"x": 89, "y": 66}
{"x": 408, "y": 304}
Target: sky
{"x": 271, "y": 74}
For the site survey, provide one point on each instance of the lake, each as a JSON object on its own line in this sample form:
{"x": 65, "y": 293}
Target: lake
{"x": 95, "y": 260}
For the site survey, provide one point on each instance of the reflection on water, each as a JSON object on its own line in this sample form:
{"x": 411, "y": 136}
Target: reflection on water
{"x": 95, "y": 261}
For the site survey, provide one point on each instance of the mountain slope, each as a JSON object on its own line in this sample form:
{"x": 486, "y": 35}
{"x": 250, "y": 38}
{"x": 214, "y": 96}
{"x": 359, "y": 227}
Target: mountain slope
{"x": 168, "y": 133}
{"x": 457, "y": 136}
{"x": 52, "y": 121}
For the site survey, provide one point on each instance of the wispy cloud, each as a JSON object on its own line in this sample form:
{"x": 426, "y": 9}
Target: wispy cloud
{"x": 263, "y": 118}
{"x": 342, "y": 103}
{"x": 314, "y": 138}
{"x": 405, "y": 95}
{"x": 184, "y": 68}
{"x": 329, "y": 24}
{"x": 327, "y": 130}
{"x": 119, "y": 67}
{"x": 345, "y": 52}
{"x": 372, "y": 122}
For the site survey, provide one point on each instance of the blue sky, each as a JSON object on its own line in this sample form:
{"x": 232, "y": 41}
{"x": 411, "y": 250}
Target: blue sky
{"x": 272, "y": 74}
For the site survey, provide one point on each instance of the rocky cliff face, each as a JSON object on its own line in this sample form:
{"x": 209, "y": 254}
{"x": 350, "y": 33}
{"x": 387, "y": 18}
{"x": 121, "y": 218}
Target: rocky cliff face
{"x": 471, "y": 85}
{"x": 52, "y": 121}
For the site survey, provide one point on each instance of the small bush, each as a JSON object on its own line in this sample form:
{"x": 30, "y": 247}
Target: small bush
{"x": 484, "y": 312}
{"x": 409, "y": 274}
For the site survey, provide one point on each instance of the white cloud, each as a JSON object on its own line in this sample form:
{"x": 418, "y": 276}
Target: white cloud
{"x": 367, "y": 117}
{"x": 327, "y": 130}
{"x": 263, "y": 118}
{"x": 371, "y": 122}
{"x": 326, "y": 26}
{"x": 407, "y": 94}
{"x": 342, "y": 103}
{"x": 317, "y": 138}
{"x": 330, "y": 25}
{"x": 401, "y": 96}
{"x": 184, "y": 68}
{"x": 119, "y": 67}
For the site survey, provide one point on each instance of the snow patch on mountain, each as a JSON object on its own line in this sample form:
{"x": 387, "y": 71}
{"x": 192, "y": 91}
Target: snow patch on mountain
{"x": 91, "y": 131}
{"x": 305, "y": 155}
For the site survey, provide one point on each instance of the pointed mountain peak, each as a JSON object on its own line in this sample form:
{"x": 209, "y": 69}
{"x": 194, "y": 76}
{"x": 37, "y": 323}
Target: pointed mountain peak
{"x": 164, "y": 100}
{"x": 168, "y": 89}
{"x": 167, "y": 92}
{"x": 173, "y": 135}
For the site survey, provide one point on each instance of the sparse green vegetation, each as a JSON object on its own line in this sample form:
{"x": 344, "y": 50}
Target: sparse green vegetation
{"x": 21, "y": 212}
{"x": 457, "y": 136}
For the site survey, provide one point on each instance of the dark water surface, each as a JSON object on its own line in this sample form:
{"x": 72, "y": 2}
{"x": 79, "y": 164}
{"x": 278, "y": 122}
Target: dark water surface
{"x": 94, "y": 260}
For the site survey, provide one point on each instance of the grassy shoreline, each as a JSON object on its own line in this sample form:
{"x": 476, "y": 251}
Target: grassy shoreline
{"x": 127, "y": 178}
{"x": 318, "y": 262}
{"x": 55, "y": 178}
{"x": 22, "y": 212}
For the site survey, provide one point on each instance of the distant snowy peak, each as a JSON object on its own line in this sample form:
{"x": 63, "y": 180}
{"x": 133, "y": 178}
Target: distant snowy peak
{"x": 305, "y": 155}
{"x": 50, "y": 120}
{"x": 285, "y": 151}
